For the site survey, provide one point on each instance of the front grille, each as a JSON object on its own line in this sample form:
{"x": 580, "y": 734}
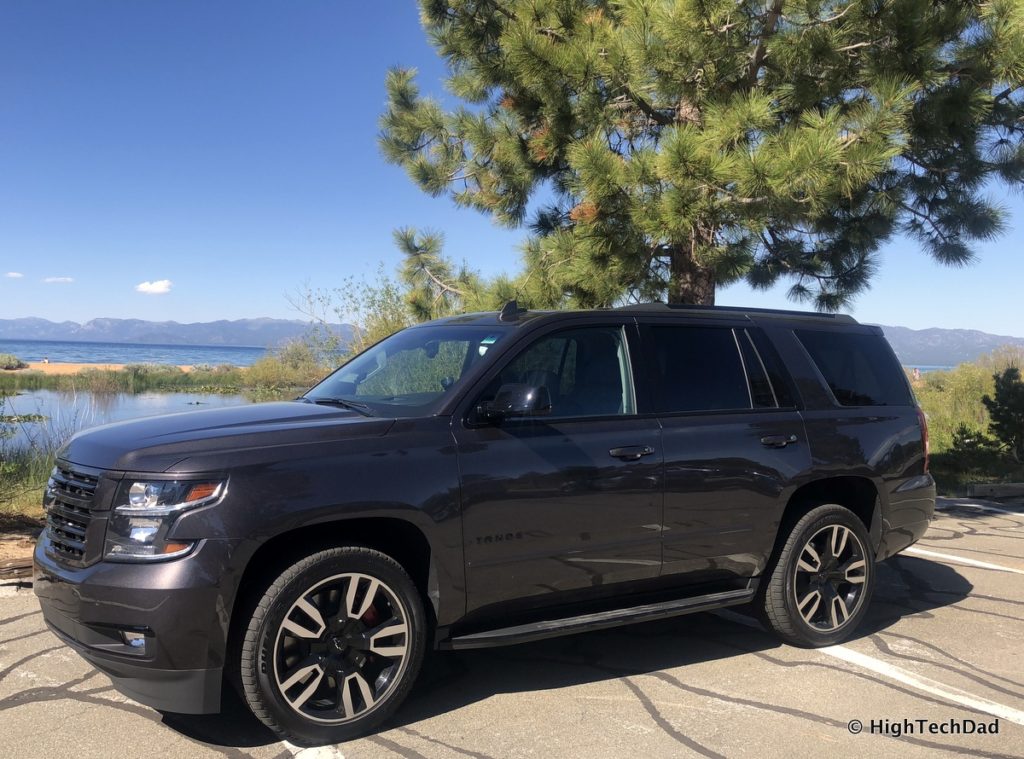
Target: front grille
{"x": 69, "y": 502}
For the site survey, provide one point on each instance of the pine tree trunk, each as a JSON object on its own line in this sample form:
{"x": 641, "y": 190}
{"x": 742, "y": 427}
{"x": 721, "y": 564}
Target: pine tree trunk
{"x": 689, "y": 282}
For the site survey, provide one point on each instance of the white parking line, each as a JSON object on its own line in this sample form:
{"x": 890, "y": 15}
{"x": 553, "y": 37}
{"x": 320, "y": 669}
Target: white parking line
{"x": 925, "y": 684}
{"x": 982, "y": 506}
{"x": 918, "y": 682}
{"x": 962, "y": 560}
{"x": 316, "y": 752}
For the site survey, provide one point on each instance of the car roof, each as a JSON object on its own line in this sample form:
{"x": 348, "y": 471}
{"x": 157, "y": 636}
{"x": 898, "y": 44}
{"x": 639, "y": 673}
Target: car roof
{"x": 511, "y": 317}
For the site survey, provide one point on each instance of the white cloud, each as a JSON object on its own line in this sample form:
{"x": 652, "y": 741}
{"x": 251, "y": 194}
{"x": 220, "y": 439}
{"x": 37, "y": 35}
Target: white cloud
{"x": 14, "y": 275}
{"x": 58, "y": 280}
{"x": 159, "y": 287}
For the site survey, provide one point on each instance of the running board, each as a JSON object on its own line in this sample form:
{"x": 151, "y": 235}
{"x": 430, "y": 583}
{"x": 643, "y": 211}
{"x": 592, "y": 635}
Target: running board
{"x": 551, "y": 628}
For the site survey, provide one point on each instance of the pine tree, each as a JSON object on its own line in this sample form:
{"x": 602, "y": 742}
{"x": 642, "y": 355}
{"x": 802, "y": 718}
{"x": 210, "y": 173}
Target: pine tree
{"x": 1006, "y": 410}
{"x": 661, "y": 148}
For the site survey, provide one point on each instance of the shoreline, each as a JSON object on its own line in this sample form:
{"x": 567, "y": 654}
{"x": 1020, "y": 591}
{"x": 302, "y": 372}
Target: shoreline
{"x": 59, "y": 367}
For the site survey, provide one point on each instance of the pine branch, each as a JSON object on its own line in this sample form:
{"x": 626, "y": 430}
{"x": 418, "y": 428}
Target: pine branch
{"x": 647, "y": 108}
{"x": 445, "y": 287}
{"x": 552, "y": 33}
{"x": 1006, "y": 93}
{"x": 925, "y": 167}
{"x": 855, "y": 46}
{"x": 774, "y": 14}
{"x": 926, "y": 217}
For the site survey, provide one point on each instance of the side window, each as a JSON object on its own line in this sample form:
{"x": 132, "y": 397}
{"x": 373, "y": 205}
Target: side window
{"x": 761, "y": 392}
{"x": 772, "y": 364}
{"x": 859, "y": 368}
{"x": 696, "y": 369}
{"x": 586, "y": 372}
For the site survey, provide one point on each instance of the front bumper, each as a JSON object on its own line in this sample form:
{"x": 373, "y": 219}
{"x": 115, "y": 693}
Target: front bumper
{"x": 178, "y": 611}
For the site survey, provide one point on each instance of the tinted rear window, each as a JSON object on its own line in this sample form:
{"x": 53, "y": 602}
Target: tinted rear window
{"x": 859, "y": 368}
{"x": 697, "y": 369}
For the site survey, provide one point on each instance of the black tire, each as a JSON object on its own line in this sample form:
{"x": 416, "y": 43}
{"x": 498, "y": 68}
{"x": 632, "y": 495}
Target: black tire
{"x": 345, "y": 624}
{"x": 820, "y": 608}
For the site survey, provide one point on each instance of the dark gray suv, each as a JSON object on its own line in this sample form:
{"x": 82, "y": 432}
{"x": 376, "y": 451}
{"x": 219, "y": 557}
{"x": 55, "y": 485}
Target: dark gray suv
{"x": 483, "y": 480}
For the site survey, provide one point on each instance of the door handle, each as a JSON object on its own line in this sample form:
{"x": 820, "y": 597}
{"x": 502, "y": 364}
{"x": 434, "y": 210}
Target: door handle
{"x": 631, "y": 452}
{"x": 778, "y": 441}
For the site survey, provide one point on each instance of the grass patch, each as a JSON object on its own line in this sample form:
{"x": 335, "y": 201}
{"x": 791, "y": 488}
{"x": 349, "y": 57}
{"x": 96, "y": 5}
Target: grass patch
{"x": 136, "y": 378}
{"x": 23, "y": 475}
{"x": 25, "y": 506}
{"x": 269, "y": 373}
{"x": 25, "y": 465}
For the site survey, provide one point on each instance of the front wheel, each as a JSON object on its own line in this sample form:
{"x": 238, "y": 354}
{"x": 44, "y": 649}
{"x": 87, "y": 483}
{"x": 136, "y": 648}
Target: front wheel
{"x": 333, "y": 646}
{"x": 819, "y": 586}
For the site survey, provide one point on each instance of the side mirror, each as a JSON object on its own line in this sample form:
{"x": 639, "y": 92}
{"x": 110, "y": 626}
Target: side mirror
{"x": 517, "y": 400}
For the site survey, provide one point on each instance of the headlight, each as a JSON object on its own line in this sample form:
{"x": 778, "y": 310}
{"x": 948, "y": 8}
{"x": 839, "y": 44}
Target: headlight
{"x": 144, "y": 512}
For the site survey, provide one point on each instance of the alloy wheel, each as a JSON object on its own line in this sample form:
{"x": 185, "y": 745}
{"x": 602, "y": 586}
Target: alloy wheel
{"x": 341, "y": 648}
{"x": 829, "y": 578}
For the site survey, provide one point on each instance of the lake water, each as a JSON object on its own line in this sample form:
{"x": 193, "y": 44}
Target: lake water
{"x": 125, "y": 353}
{"x": 67, "y": 413}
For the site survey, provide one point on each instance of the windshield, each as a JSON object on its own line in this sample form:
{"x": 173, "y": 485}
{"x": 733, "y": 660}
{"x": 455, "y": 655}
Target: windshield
{"x": 408, "y": 371}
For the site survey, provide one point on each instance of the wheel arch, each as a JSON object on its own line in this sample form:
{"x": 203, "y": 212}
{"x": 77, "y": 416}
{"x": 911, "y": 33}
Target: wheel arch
{"x": 858, "y": 494}
{"x": 398, "y": 538}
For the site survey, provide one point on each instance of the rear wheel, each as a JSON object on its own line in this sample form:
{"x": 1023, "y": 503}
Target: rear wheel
{"x": 818, "y": 589}
{"x": 334, "y": 646}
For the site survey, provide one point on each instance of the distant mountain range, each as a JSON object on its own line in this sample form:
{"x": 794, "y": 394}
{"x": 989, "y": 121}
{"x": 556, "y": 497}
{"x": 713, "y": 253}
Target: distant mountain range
{"x": 915, "y": 347}
{"x": 261, "y": 333}
{"x": 943, "y": 347}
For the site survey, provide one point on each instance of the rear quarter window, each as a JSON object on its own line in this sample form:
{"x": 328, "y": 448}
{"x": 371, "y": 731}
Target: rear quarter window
{"x": 860, "y": 369}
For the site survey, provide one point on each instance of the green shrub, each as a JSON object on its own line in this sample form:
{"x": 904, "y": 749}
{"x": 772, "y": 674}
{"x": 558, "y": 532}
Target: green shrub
{"x": 953, "y": 471}
{"x": 1006, "y": 408}
{"x": 952, "y": 399}
{"x": 9, "y": 362}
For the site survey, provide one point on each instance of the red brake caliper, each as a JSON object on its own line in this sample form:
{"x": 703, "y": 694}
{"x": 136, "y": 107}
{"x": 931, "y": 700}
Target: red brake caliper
{"x": 371, "y": 617}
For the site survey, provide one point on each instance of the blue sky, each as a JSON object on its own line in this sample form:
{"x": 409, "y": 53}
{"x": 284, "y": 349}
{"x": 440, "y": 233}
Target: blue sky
{"x": 230, "y": 149}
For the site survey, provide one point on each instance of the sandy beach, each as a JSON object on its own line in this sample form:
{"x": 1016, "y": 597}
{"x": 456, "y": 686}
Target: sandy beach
{"x": 55, "y": 367}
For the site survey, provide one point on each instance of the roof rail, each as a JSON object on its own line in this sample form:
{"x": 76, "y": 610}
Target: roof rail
{"x": 770, "y": 312}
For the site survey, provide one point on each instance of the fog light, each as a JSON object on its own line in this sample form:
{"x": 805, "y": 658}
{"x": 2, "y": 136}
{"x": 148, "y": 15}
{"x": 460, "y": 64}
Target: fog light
{"x": 134, "y": 639}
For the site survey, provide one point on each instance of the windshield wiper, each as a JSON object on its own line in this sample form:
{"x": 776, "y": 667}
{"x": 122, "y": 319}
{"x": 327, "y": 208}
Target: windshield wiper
{"x": 361, "y": 408}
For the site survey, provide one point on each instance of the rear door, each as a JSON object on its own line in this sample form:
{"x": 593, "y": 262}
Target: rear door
{"x": 733, "y": 442}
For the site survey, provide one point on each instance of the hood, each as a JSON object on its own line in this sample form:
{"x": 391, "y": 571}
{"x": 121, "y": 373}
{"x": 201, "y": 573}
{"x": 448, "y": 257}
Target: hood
{"x": 157, "y": 444}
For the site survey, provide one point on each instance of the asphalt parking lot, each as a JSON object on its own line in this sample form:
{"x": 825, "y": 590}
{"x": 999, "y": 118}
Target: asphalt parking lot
{"x": 943, "y": 646}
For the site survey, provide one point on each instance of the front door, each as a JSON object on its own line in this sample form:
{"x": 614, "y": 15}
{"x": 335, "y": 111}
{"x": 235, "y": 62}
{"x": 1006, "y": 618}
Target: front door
{"x": 565, "y": 504}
